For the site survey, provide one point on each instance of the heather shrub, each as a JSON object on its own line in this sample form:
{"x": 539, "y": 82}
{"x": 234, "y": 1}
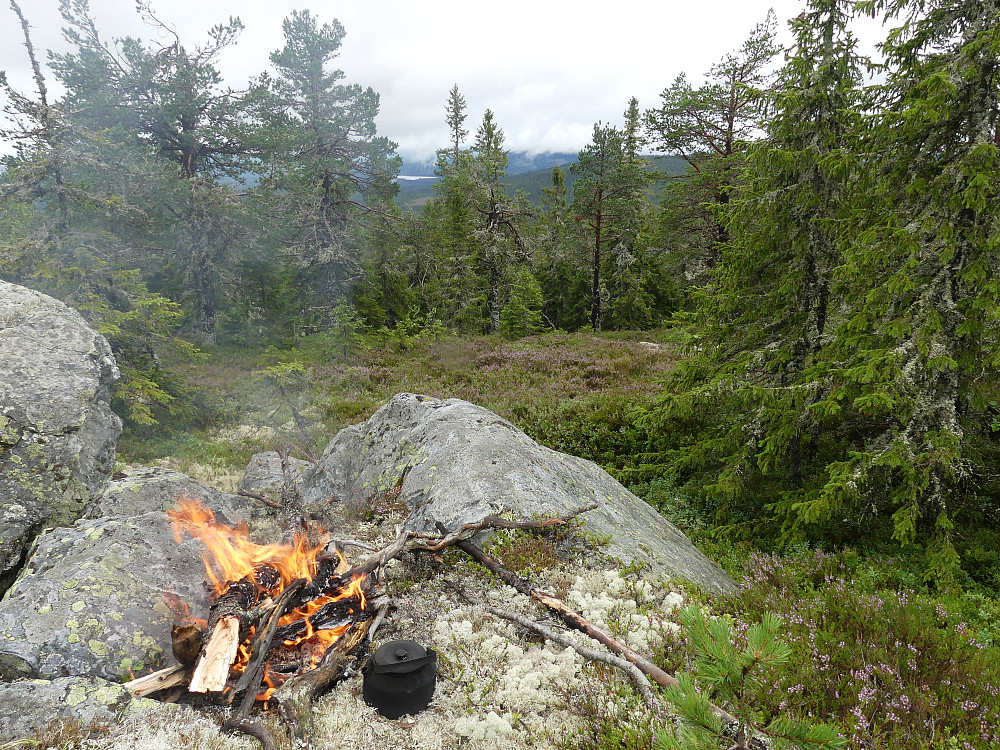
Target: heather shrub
{"x": 893, "y": 667}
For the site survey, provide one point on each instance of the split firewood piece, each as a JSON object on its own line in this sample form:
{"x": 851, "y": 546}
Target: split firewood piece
{"x": 217, "y": 657}
{"x": 228, "y": 619}
{"x": 163, "y": 679}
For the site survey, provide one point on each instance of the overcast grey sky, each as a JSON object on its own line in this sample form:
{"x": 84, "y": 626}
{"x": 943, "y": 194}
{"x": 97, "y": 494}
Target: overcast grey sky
{"x": 549, "y": 69}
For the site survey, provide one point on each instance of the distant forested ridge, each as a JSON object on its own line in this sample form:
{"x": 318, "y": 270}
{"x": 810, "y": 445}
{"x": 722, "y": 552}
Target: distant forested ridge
{"x": 519, "y": 162}
{"x": 532, "y": 182}
{"x": 823, "y": 228}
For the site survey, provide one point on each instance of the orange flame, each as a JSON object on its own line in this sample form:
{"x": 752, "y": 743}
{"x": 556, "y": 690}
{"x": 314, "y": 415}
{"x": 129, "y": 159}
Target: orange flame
{"x": 230, "y": 556}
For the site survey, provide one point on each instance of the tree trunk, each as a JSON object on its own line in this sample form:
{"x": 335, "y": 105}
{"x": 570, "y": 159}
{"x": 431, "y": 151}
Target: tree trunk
{"x": 595, "y": 289}
{"x": 493, "y": 300}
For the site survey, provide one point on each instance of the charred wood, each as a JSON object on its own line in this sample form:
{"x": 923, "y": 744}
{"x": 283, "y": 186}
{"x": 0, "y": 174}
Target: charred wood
{"x": 228, "y": 621}
{"x": 186, "y": 640}
{"x": 260, "y": 646}
{"x": 297, "y": 694}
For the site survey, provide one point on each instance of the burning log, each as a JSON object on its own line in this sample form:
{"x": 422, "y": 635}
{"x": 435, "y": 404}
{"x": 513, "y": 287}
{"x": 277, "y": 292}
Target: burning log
{"x": 296, "y": 695}
{"x": 228, "y": 622}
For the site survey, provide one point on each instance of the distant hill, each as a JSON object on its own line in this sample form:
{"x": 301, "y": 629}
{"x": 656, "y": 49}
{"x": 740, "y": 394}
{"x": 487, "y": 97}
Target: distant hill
{"x": 518, "y": 162}
{"x": 415, "y": 193}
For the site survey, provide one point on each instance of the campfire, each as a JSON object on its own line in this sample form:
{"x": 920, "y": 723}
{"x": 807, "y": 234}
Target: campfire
{"x": 248, "y": 580}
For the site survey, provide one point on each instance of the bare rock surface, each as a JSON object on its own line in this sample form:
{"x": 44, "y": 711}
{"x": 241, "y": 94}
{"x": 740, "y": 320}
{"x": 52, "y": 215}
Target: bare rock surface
{"x": 264, "y": 473}
{"x": 142, "y": 489}
{"x": 57, "y": 431}
{"x": 90, "y": 599}
{"x": 455, "y": 462}
{"x": 29, "y": 704}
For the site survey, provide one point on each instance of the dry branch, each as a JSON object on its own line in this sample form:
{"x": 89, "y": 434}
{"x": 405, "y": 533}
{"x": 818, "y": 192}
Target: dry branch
{"x": 578, "y": 622}
{"x": 634, "y": 674}
{"x": 413, "y": 541}
{"x": 261, "y": 498}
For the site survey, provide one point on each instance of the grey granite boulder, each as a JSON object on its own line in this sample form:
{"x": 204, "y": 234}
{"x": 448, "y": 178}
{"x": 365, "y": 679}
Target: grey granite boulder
{"x": 90, "y": 599}
{"x": 142, "y": 489}
{"x": 57, "y": 431}
{"x": 264, "y": 473}
{"x": 456, "y": 462}
{"x": 29, "y": 704}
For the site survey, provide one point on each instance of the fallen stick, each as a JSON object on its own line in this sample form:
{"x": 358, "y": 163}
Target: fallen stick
{"x": 634, "y": 674}
{"x": 414, "y": 541}
{"x": 578, "y": 622}
{"x": 261, "y": 498}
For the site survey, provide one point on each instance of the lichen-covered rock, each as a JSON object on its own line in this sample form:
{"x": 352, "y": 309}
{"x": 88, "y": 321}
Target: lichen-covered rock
{"x": 264, "y": 473}
{"x": 57, "y": 431}
{"x": 90, "y": 600}
{"x": 27, "y": 704}
{"x": 142, "y": 489}
{"x": 456, "y": 462}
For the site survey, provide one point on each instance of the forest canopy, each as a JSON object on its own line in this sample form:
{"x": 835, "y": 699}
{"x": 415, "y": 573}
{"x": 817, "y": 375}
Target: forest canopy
{"x": 830, "y": 252}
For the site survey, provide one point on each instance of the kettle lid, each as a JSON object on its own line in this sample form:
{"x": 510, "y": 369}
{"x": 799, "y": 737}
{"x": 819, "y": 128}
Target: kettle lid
{"x": 397, "y": 652}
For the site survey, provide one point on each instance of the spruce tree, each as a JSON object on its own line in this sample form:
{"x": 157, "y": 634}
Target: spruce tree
{"x": 740, "y": 408}
{"x": 607, "y": 201}
{"x": 564, "y": 279}
{"x": 498, "y": 237}
{"x": 918, "y": 355}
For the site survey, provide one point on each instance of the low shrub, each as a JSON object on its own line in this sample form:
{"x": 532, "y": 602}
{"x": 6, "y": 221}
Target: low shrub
{"x": 892, "y": 666}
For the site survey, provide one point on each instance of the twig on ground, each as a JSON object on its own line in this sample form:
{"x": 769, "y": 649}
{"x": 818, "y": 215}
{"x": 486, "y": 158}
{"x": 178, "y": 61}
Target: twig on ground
{"x": 261, "y": 498}
{"x": 634, "y": 674}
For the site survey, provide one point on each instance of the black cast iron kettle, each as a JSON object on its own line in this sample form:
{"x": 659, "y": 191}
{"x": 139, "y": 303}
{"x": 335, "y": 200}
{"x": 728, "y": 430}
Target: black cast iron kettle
{"x": 399, "y": 678}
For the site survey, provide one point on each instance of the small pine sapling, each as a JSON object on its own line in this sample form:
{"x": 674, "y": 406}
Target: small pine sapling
{"x": 733, "y": 673}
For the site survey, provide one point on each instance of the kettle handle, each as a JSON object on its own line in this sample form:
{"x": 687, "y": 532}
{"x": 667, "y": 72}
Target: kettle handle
{"x": 411, "y": 666}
